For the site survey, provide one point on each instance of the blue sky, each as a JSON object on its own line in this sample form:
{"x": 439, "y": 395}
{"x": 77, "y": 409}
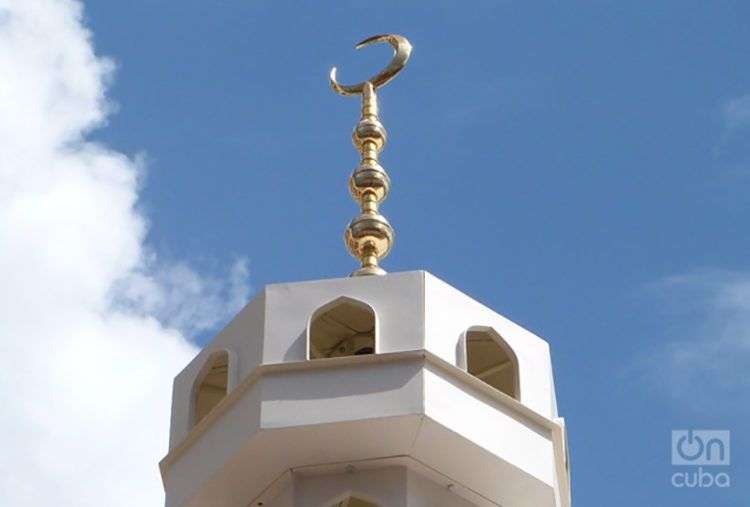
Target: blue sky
{"x": 580, "y": 167}
{"x": 562, "y": 162}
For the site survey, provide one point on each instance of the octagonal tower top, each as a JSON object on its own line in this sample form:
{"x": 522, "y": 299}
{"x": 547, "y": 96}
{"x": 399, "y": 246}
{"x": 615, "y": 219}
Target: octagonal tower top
{"x": 369, "y": 391}
{"x": 357, "y": 370}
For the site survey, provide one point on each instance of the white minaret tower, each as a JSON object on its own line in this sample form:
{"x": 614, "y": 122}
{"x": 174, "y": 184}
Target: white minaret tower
{"x": 387, "y": 390}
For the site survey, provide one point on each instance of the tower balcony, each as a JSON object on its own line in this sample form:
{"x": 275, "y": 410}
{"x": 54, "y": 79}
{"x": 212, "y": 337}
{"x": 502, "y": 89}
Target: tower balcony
{"x": 356, "y": 372}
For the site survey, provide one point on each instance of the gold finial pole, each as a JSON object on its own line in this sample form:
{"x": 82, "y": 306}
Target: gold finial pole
{"x": 369, "y": 236}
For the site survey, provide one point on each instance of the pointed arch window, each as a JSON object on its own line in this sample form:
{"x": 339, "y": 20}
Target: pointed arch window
{"x": 490, "y": 359}
{"x": 343, "y": 327}
{"x": 211, "y": 386}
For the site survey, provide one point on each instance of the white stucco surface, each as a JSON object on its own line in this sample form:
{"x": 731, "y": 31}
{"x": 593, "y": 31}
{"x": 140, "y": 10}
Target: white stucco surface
{"x": 412, "y": 399}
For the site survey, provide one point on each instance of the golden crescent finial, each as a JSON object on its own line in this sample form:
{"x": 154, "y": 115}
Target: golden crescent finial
{"x": 369, "y": 237}
{"x": 402, "y": 51}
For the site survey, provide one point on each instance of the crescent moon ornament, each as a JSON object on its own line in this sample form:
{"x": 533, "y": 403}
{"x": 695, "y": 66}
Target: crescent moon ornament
{"x": 402, "y": 50}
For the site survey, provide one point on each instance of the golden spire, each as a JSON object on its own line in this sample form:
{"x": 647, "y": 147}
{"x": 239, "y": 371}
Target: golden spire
{"x": 369, "y": 236}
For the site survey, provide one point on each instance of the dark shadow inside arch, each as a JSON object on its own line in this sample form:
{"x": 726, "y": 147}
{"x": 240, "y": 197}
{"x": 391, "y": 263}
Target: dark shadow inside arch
{"x": 490, "y": 359}
{"x": 212, "y": 385}
{"x": 353, "y": 501}
{"x": 344, "y": 327}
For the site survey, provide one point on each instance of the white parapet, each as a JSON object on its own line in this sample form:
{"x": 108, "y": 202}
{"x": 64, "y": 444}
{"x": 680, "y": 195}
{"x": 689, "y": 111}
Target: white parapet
{"x": 412, "y": 400}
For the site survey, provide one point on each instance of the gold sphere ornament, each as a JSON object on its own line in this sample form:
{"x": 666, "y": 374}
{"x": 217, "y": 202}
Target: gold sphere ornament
{"x": 369, "y": 179}
{"x": 369, "y": 238}
{"x": 369, "y": 130}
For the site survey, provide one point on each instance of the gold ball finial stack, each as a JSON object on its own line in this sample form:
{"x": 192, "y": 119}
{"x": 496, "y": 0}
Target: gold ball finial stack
{"x": 369, "y": 237}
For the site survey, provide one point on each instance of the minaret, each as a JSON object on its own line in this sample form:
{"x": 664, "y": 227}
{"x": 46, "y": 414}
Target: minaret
{"x": 395, "y": 390}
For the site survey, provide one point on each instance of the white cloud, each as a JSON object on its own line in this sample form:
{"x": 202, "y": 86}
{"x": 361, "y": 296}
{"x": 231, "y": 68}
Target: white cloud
{"x": 181, "y": 298}
{"x": 736, "y": 112}
{"x": 704, "y": 362}
{"x": 91, "y": 322}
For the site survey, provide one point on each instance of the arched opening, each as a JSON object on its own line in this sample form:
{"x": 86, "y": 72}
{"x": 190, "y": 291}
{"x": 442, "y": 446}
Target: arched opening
{"x": 344, "y": 327}
{"x": 353, "y": 501}
{"x": 212, "y": 385}
{"x": 492, "y": 361}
